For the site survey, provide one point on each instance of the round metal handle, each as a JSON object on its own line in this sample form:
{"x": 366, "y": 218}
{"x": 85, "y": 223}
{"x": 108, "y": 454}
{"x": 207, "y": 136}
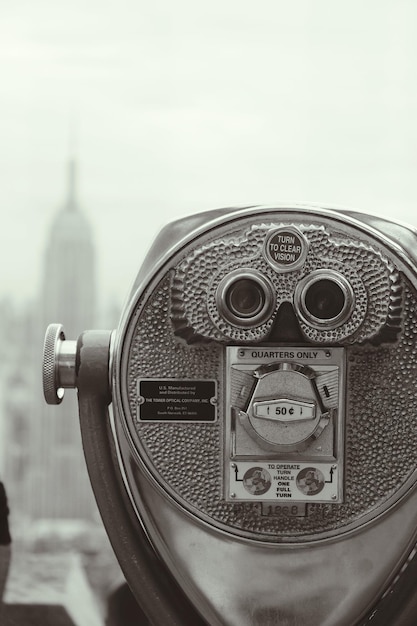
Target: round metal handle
{"x": 58, "y": 364}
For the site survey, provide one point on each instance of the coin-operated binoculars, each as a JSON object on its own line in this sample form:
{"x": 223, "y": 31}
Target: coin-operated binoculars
{"x": 250, "y": 429}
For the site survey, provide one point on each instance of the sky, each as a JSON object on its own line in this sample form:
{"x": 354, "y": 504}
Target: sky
{"x": 176, "y": 107}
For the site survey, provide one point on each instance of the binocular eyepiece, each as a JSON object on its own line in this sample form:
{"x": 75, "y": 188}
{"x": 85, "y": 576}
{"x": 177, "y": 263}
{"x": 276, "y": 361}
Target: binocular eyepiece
{"x": 245, "y": 298}
{"x": 324, "y": 298}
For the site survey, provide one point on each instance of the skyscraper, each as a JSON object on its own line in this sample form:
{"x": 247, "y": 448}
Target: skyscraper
{"x": 60, "y": 483}
{"x": 68, "y": 291}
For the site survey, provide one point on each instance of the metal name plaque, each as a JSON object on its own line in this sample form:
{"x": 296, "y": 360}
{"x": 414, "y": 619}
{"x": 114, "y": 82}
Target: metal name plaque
{"x": 173, "y": 400}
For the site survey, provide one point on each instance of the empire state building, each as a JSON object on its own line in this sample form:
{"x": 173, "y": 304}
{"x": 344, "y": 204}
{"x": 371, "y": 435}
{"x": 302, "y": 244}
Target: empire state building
{"x": 62, "y": 489}
{"x": 69, "y": 276}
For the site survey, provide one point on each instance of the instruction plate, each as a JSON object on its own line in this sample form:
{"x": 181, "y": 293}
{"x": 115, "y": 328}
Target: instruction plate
{"x": 287, "y": 481}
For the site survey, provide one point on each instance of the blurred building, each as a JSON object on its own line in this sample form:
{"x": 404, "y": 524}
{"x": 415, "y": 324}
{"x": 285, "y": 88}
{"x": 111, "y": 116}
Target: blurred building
{"x": 53, "y": 514}
{"x": 45, "y": 469}
{"x": 68, "y": 289}
{"x": 18, "y": 409}
{"x": 68, "y": 297}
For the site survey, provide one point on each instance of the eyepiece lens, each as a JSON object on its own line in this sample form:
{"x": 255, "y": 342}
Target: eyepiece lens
{"x": 245, "y": 298}
{"x": 325, "y": 299}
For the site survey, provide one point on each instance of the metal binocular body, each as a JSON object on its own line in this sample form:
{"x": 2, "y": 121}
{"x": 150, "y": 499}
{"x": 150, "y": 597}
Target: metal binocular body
{"x": 250, "y": 429}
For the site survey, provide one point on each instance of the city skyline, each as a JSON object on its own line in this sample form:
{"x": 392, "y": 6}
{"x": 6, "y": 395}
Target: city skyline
{"x": 44, "y": 464}
{"x": 54, "y": 520}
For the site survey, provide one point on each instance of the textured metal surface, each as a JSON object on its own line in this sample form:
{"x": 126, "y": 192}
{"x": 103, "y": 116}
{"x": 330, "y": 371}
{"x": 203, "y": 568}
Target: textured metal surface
{"x": 381, "y": 427}
{"x": 197, "y": 278}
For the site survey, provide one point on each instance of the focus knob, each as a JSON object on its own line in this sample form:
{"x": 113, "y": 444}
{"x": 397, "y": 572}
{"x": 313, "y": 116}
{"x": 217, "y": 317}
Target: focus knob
{"x": 59, "y": 358}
